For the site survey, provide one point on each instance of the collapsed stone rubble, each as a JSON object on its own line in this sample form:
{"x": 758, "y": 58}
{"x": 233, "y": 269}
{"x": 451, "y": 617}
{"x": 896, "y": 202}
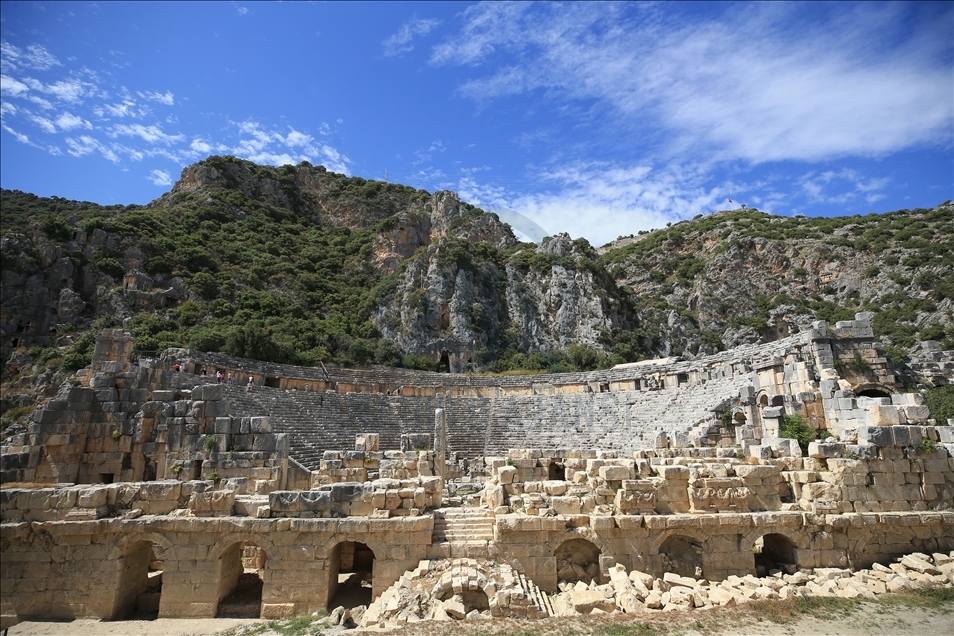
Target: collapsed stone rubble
{"x": 439, "y": 590}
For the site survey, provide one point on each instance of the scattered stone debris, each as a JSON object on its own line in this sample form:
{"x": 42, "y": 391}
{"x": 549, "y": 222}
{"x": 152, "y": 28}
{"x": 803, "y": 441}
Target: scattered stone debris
{"x": 458, "y": 589}
{"x": 469, "y": 589}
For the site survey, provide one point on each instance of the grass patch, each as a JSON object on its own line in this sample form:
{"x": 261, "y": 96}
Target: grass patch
{"x": 935, "y": 599}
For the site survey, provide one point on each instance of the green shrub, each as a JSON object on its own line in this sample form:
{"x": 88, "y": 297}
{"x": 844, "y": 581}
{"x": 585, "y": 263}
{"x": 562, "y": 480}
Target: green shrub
{"x": 794, "y": 427}
{"x": 110, "y": 266}
{"x": 940, "y": 402}
{"x": 57, "y": 229}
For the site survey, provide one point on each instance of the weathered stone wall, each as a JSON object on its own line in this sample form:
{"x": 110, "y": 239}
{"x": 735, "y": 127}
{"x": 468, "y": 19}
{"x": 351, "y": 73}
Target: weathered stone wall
{"x": 833, "y": 478}
{"x": 66, "y": 569}
{"x": 719, "y": 545}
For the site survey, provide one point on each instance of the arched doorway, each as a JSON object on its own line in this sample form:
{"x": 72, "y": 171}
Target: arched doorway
{"x": 140, "y": 582}
{"x": 240, "y": 583}
{"x": 577, "y": 560}
{"x": 351, "y": 575}
{"x": 682, "y": 556}
{"x": 773, "y": 552}
{"x": 872, "y": 392}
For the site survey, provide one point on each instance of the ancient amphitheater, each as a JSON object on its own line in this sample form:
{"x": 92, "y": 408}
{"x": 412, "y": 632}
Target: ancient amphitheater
{"x": 165, "y": 491}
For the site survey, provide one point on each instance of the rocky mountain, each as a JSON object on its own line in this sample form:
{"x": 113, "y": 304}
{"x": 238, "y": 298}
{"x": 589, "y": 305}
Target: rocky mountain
{"x": 298, "y": 264}
{"x": 744, "y": 276}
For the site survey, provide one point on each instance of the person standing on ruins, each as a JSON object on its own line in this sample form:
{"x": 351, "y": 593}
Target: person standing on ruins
{"x": 251, "y": 381}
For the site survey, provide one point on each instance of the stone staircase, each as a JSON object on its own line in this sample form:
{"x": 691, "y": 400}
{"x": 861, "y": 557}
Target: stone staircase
{"x": 462, "y": 532}
{"x": 538, "y": 597}
{"x": 463, "y": 525}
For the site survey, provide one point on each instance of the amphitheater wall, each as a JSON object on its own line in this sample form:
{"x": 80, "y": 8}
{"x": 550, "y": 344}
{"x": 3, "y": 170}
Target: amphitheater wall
{"x": 69, "y": 569}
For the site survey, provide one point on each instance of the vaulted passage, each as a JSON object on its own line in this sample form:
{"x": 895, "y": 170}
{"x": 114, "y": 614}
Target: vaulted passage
{"x": 240, "y": 585}
{"x": 351, "y": 574}
{"x": 773, "y": 552}
{"x": 140, "y": 583}
{"x": 682, "y": 556}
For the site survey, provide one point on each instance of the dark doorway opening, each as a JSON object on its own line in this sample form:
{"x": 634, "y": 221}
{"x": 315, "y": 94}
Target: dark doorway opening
{"x": 352, "y": 578}
{"x": 240, "y": 587}
{"x": 774, "y": 552}
{"x": 682, "y": 556}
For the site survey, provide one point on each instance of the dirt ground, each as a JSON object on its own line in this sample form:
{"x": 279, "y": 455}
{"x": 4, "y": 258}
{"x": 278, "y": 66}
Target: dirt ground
{"x": 860, "y": 620}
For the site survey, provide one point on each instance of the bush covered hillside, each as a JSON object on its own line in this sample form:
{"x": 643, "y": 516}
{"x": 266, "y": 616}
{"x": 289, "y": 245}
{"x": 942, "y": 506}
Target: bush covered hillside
{"x": 746, "y": 276}
{"x": 297, "y": 264}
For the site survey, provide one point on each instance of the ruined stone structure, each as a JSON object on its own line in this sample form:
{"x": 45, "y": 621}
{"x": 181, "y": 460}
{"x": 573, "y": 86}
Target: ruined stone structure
{"x": 166, "y": 487}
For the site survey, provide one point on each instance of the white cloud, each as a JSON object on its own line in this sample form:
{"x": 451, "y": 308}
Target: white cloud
{"x": 401, "y": 42}
{"x": 71, "y": 91}
{"x": 200, "y": 146}
{"x": 45, "y": 104}
{"x": 743, "y": 85}
{"x": 152, "y": 134}
{"x": 166, "y": 98}
{"x": 271, "y": 147}
{"x": 45, "y": 124}
{"x": 69, "y": 121}
{"x": 160, "y": 178}
{"x": 23, "y": 139}
{"x": 12, "y": 87}
{"x": 296, "y": 138}
{"x": 600, "y": 201}
{"x": 35, "y": 57}
{"x": 84, "y": 145}
{"x": 842, "y": 187}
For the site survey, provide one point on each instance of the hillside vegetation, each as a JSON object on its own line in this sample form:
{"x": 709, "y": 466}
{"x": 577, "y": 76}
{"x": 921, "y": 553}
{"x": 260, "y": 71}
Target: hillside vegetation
{"x": 297, "y": 264}
{"x": 746, "y": 276}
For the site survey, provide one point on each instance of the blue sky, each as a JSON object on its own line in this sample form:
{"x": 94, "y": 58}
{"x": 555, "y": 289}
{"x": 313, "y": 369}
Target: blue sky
{"x": 596, "y": 119}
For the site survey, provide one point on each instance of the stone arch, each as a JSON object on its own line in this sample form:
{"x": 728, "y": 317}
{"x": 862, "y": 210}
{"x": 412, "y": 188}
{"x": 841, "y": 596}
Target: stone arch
{"x": 681, "y": 551}
{"x": 139, "y": 581}
{"x": 224, "y": 543}
{"x": 351, "y": 570}
{"x": 749, "y": 538}
{"x": 578, "y": 559}
{"x": 127, "y": 540}
{"x": 874, "y": 390}
{"x": 241, "y": 583}
{"x": 772, "y": 548}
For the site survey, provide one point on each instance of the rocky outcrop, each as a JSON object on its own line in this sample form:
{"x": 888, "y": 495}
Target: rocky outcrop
{"x": 452, "y": 302}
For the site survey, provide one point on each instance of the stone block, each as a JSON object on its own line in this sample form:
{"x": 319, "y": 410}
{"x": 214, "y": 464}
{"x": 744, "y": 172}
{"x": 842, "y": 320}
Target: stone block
{"x": 208, "y": 392}
{"x": 918, "y": 413}
{"x": 316, "y": 501}
{"x": 565, "y": 505}
{"x": 259, "y": 425}
{"x": 877, "y": 435}
{"x": 902, "y": 435}
{"x": 673, "y": 473}
{"x": 880, "y": 415}
{"x": 616, "y": 473}
{"x": 506, "y": 474}
{"x": 824, "y": 450}
{"x": 284, "y": 501}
